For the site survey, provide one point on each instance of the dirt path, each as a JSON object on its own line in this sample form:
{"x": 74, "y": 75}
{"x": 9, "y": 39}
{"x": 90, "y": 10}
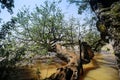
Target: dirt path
{"x": 102, "y": 67}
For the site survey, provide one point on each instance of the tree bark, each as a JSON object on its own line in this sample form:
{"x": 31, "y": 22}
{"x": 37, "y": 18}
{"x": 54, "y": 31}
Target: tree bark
{"x": 109, "y": 23}
{"x": 74, "y": 68}
{"x": 69, "y": 71}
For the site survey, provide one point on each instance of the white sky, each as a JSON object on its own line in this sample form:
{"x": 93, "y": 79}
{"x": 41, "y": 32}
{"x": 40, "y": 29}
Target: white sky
{"x": 69, "y": 10}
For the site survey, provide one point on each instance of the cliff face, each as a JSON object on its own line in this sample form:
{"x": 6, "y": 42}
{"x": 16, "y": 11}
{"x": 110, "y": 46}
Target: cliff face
{"x": 109, "y": 24}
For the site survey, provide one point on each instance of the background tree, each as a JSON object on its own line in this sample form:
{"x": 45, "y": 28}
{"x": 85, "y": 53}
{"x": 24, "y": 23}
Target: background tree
{"x": 10, "y": 53}
{"x": 9, "y": 4}
{"x": 71, "y": 31}
{"x": 42, "y": 27}
{"x": 85, "y": 8}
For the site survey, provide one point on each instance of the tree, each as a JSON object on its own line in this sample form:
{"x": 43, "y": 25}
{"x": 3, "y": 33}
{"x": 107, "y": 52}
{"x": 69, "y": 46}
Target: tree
{"x": 9, "y": 50}
{"x": 42, "y": 27}
{"x": 9, "y": 4}
{"x": 89, "y": 22}
{"x": 71, "y": 30}
{"x": 37, "y": 31}
{"x": 89, "y": 32}
{"x": 108, "y": 21}
{"x": 6, "y": 28}
{"x": 108, "y": 24}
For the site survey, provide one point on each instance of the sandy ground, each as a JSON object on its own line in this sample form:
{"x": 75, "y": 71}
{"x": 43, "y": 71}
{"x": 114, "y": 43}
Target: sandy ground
{"x": 102, "y": 67}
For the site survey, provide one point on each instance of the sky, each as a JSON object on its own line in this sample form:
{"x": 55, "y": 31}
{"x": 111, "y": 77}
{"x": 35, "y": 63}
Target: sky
{"x": 68, "y": 9}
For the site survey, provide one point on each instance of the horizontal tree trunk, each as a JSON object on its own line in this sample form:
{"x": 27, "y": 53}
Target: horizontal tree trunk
{"x": 69, "y": 71}
{"x": 72, "y": 70}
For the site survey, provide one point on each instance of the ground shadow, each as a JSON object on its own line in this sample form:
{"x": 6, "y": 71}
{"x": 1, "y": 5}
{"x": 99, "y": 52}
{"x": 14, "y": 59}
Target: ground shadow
{"x": 93, "y": 65}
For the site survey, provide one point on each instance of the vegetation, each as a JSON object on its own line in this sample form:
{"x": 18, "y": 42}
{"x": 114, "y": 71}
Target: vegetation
{"x": 34, "y": 33}
{"x": 9, "y": 4}
{"x": 40, "y": 28}
{"x": 108, "y": 22}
